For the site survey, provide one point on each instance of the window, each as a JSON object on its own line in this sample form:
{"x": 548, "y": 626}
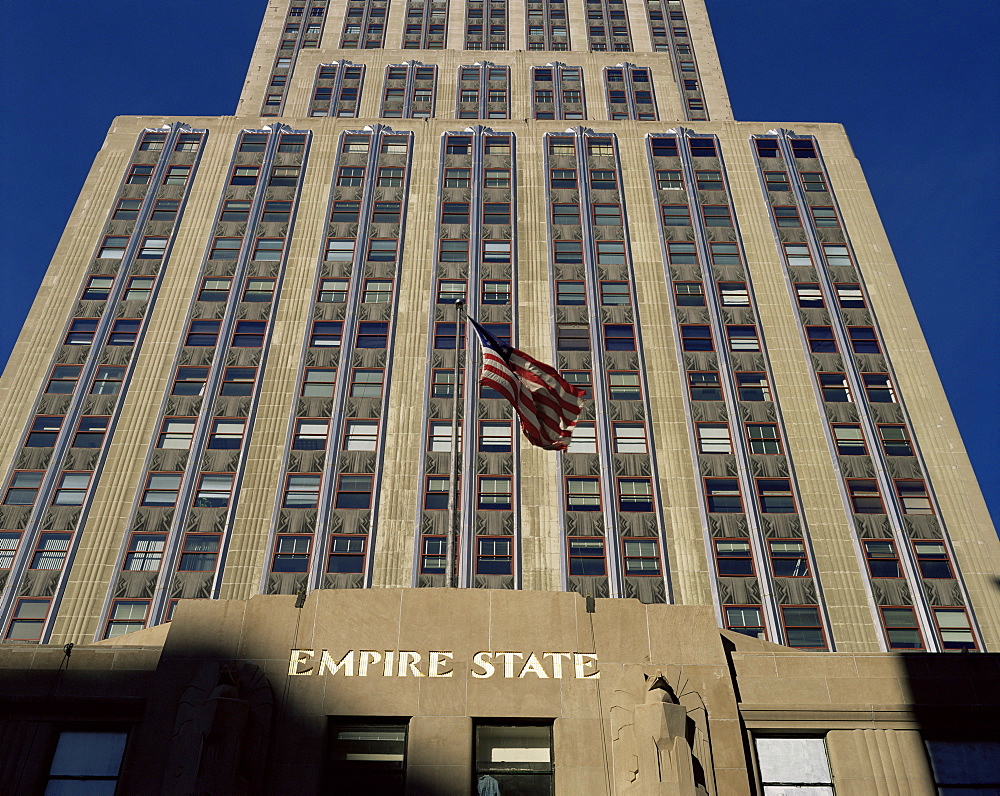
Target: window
{"x": 496, "y": 292}
{"x": 763, "y": 438}
{"x": 849, "y": 439}
{"x": 72, "y": 489}
{"x": 456, "y": 178}
{"x": 913, "y": 496}
{"x": 245, "y": 175}
{"x": 571, "y": 293}
{"x": 619, "y": 337}
{"x": 152, "y": 249}
{"x": 97, "y": 288}
{"x": 227, "y": 434}
{"x": 883, "y": 562}
{"x": 791, "y": 765}
{"x": 824, "y": 216}
{"x": 301, "y": 491}
{"x": 696, "y": 338}
{"x": 496, "y": 251}
{"x": 360, "y": 435}
{"x": 516, "y": 756}
{"x": 310, "y": 434}
{"x": 776, "y": 181}
{"x": 318, "y": 382}
{"x": 199, "y": 552}
{"x": 44, "y": 431}
{"x": 494, "y": 556}
{"x": 797, "y": 255}
{"x": 345, "y": 212}
{"x": 704, "y": 386}
{"x": 63, "y": 379}
{"x": 752, "y": 386}
{"x": 734, "y": 294}
{"x": 83, "y": 761}
{"x": 369, "y": 757}
{"x": 189, "y": 381}
{"x": 565, "y": 214}
{"x": 215, "y": 289}
{"x": 586, "y": 556}
{"x": 326, "y": 334}
{"x": 775, "y": 496}
{"x": 377, "y": 291}
{"x": 161, "y": 489}
{"x": 733, "y": 557}
{"x": 568, "y": 252}
{"x": 624, "y": 386}
{"x": 268, "y": 249}
{"x": 863, "y": 340}
{"x": 372, "y": 334}
{"x": 562, "y": 178}
{"x": 583, "y": 494}
{"x": 803, "y": 628}
{"x": 724, "y": 253}
{"x": 955, "y": 629}
{"x": 176, "y": 433}
{"x": 383, "y": 251}
{"x": 140, "y": 174}
{"x": 615, "y": 294}
{"x": 834, "y": 387}
{"x": 629, "y": 437}
{"x": 90, "y": 431}
{"x": 742, "y": 338}
{"x": 202, "y": 333}
{"x": 392, "y": 177}
{"x": 81, "y": 331}
{"x": 444, "y": 336}
{"x": 669, "y": 179}
{"x": 850, "y": 295}
{"x": 249, "y": 334}
{"x": 641, "y": 556}
{"x": 895, "y": 440}
{"x": 572, "y": 337}
{"x": 786, "y": 216}
{"x": 237, "y": 382}
{"x": 214, "y": 490}
{"x": 708, "y": 180}
{"x": 821, "y": 340}
{"x": 713, "y": 438}
{"x": 496, "y": 213}
{"x": 350, "y": 176}
{"x": 107, "y": 380}
{"x": 788, "y": 558}
{"x": 675, "y": 216}
{"x": 878, "y": 388}
{"x": 291, "y": 554}
{"x": 865, "y": 496}
{"x": 50, "y": 551}
{"x": 635, "y": 494}
{"x": 836, "y": 254}
{"x": 723, "y": 495}
{"x": 716, "y": 216}
{"x": 139, "y": 288}
{"x": 126, "y": 616}
{"x": 495, "y": 436}
{"x": 745, "y": 619}
{"x": 583, "y": 440}
{"x": 497, "y": 178}
{"x": 901, "y": 627}
{"x": 339, "y": 250}
{"x": 432, "y": 555}
{"x": 9, "y": 541}
{"x": 354, "y": 492}
{"x": 932, "y": 557}
{"x": 809, "y": 295}
{"x": 124, "y": 332}
{"x": 689, "y": 294}
{"x": 494, "y": 494}
{"x": 284, "y": 176}
{"x": 145, "y": 552}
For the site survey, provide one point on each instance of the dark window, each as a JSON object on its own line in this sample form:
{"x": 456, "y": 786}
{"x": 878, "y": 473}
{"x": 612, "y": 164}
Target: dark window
{"x": 932, "y": 557}
{"x": 494, "y": 556}
{"x": 44, "y": 431}
{"x": 788, "y": 558}
{"x": 354, "y": 492}
{"x": 444, "y": 336}
{"x": 202, "y": 333}
{"x": 821, "y": 340}
{"x": 752, "y": 386}
{"x": 895, "y": 440}
{"x": 803, "y": 627}
{"x": 733, "y": 557}
{"x": 635, "y": 494}
{"x": 775, "y": 496}
{"x": 372, "y": 334}
{"x": 215, "y": 289}
{"x": 586, "y": 556}
{"x": 199, "y": 552}
{"x": 865, "y": 496}
{"x": 723, "y": 495}
{"x": 81, "y": 331}
{"x": 63, "y": 379}
{"x": 704, "y": 386}
{"x": 901, "y": 627}
{"x": 326, "y": 334}
{"x": 696, "y": 338}
{"x": 878, "y": 388}
{"x": 702, "y": 147}
{"x": 347, "y": 554}
{"x": 675, "y": 215}
{"x": 572, "y": 337}
{"x": 369, "y": 757}
{"x": 227, "y": 434}
{"x": 291, "y": 553}
{"x": 83, "y": 762}
{"x": 515, "y": 756}
{"x": 124, "y": 332}
{"x": 619, "y": 337}
{"x": 189, "y": 380}
{"x": 249, "y": 334}
{"x": 863, "y": 340}
{"x": 90, "y": 431}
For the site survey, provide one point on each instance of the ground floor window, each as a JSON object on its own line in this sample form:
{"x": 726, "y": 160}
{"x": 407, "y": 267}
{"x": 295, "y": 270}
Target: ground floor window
{"x": 794, "y": 765}
{"x": 87, "y": 762}
{"x": 513, "y": 758}
{"x": 367, "y": 757}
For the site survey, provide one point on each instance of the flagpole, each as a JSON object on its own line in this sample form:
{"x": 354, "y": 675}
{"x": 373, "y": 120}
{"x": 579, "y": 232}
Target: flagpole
{"x": 454, "y": 514}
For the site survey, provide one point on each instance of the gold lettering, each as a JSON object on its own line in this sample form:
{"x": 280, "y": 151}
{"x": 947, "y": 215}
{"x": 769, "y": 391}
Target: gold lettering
{"x": 390, "y": 656}
{"x": 409, "y": 659}
{"x": 297, "y": 657}
{"x": 365, "y": 658}
{"x": 579, "y": 660}
{"x": 533, "y": 666}
{"x": 479, "y": 659}
{"x": 437, "y": 660}
{"x": 557, "y": 663}
{"x": 346, "y": 663}
{"x": 508, "y": 662}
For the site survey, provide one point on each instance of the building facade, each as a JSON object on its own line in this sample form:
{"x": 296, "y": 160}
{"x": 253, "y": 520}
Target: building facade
{"x": 238, "y": 376}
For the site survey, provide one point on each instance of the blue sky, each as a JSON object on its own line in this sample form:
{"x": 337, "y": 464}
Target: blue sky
{"x": 915, "y": 83}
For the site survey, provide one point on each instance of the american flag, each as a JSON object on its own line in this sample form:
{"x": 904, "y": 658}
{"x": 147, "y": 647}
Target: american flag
{"x": 547, "y": 404}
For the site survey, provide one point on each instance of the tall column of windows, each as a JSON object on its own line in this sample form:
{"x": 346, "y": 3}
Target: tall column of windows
{"x": 486, "y": 24}
{"x": 364, "y": 25}
{"x": 476, "y": 263}
{"x": 557, "y": 92}
{"x": 178, "y": 532}
{"x": 303, "y": 29}
{"x": 337, "y": 90}
{"x": 48, "y": 495}
{"x": 607, "y": 26}
{"x": 916, "y": 589}
{"x": 611, "y": 512}
{"x": 426, "y": 24}
{"x": 483, "y": 91}
{"x": 669, "y": 32}
{"x": 757, "y": 536}
{"x": 547, "y": 25}
{"x": 326, "y": 513}
{"x": 629, "y": 93}
{"x": 409, "y": 91}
